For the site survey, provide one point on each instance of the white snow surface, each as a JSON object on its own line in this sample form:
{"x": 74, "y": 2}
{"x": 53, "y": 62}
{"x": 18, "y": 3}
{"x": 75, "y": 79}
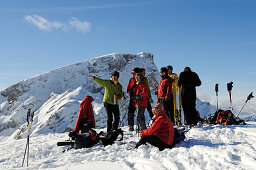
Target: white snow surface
{"x": 205, "y": 147}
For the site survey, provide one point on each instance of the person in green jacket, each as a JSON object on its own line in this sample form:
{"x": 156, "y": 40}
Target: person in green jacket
{"x": 113, "y": 93}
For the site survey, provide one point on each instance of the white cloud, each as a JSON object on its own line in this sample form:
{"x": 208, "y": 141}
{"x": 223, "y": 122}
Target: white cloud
{"x": 80, "y": 26}
{"x": 42, "y": 23}
{"x": 45, "y": 25}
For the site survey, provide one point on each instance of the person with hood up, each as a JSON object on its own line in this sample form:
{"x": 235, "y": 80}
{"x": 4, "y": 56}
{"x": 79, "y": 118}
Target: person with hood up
{"x": 161, "y": 133}
{"x": 165, "y": 93}
{"x": 140, "y": 92}
{"x": 187, "y": 82}
{"x": 113, "y": 93}
{"x": 85, "y": 116}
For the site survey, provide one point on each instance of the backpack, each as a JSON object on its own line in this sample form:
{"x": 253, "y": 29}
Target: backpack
{"x": 111, "y": 137}
{"x": 226, "y": 117}
{"x": 179, "y": 135}
{"x": 86, "y": 140}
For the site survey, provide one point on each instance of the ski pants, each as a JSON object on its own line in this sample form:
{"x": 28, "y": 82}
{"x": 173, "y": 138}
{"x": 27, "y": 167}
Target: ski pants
{"x": 153, "y": 140}
{"x": 141, "y": 118}
{"x": 188, "y": 98}
{"x": 112, "y": 110}
{"x": 168, "y": 107}
{"x": 131, "y": 110}
{"x": 149, "y": 108}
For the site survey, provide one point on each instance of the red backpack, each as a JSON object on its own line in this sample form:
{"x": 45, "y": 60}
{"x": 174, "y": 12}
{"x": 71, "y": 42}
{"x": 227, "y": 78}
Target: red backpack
{"x": 225, "y": 117}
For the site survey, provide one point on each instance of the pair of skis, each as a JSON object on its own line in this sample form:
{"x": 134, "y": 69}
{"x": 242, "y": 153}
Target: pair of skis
{"x": 177, "y": 112}
{"x": 30, "y": 117}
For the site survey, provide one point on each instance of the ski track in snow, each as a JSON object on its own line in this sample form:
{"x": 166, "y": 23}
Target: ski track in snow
{"x": 205, "y": 147}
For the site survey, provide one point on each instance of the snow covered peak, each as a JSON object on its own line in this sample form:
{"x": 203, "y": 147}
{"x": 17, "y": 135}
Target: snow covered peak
{"x": 55, "y": 95}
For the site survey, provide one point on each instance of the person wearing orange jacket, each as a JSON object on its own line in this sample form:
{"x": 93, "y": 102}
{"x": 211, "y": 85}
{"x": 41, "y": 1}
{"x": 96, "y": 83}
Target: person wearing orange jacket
{"x": 165, "y": 93}
{"x": 140, "y": 92}
{"x": 161, "y": 133}
{"x": 85, "y": 116}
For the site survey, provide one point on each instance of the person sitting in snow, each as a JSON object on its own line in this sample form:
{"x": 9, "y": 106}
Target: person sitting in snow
{"x": 161, "y": 133}
{"x": 85, "y": 119}
{"x": 113, "y": 93}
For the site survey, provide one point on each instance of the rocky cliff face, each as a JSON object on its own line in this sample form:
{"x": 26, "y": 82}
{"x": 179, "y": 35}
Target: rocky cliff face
{"x": 55, "y": 96}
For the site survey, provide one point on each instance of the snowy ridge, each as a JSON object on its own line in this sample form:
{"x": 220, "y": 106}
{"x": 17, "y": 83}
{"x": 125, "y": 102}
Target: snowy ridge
{"x": 55, "y": 96}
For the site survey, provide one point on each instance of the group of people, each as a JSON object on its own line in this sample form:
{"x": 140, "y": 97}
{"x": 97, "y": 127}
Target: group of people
{"x": 161, "y": 132}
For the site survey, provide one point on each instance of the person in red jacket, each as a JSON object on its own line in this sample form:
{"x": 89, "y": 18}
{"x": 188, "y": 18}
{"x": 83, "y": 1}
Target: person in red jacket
{"x": 85, "y": 116}
{"x": 140, "y": 92}
{"x": 161, "y": 133}
{"x": 165, "y": 93}
{"x": 131, "y": 108}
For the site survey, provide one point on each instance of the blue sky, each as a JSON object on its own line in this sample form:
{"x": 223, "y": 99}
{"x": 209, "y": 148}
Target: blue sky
{"x": 216, "y": 38}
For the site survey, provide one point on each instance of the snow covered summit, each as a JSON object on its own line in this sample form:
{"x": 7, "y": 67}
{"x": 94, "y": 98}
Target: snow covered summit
{"x": 55, "y": 96}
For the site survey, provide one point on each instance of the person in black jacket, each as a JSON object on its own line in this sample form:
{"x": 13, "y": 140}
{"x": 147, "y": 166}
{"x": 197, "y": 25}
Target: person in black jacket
{"x": 188, "y": 81}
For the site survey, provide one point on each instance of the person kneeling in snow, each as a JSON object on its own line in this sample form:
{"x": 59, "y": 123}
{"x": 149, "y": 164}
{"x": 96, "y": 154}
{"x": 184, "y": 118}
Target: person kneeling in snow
{"x": 85, "y": 119}
{"x": 160, "y": 133}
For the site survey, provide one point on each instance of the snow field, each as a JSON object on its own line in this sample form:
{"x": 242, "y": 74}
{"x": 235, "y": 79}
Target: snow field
{"x": 206, "y": 147}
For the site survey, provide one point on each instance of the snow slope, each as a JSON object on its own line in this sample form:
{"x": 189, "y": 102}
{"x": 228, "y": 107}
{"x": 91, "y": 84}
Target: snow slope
{"x": 55, "y": 96}
{"x": 205, "y": 147}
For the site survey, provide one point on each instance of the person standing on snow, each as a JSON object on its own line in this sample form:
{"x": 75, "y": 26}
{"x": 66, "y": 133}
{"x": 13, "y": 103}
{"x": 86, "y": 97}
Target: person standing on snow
{"x": 161, "y": 133}
{"x": 149, "y": 99}
{"x": 175, "y": 89}
{"x": 113, "y": 93}
{"x": 131, "y": 108}
{"x": 165, "y": 93}
{"x": 140, "y": 92}
{"x": 187, "y": 82}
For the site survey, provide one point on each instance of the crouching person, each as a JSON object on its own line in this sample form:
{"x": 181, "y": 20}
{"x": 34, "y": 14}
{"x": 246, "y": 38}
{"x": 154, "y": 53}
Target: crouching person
{"x": 161, "y": 133}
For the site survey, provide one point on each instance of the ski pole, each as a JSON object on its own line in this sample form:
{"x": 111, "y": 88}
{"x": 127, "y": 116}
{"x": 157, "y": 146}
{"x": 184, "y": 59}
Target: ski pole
{"x": 229, "y": 87}
{"x": 248, "y": 98}
{"x": 216, "y": 90}
{"x": 137, "y": 113}
{"x": 28, "y": 116}
{"x": 122, "y": 109}
{"x": 29, "y": 121}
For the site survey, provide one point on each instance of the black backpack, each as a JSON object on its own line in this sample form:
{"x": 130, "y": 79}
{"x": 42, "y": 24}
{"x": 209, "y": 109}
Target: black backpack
{"x": 86, "y": 140}
{"x": 111, "y": 137}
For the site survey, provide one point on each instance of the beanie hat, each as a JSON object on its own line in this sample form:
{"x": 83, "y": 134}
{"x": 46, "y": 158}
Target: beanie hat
{"x": 158, "y": 108}
{"x": 169, "y": 67}
{"x": 135, "y": 70}
{"x": 164, "y": 69}
{"x": 115, "y": 73}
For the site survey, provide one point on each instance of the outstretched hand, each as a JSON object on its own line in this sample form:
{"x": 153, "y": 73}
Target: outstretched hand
{"x": 91, "y": 77}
